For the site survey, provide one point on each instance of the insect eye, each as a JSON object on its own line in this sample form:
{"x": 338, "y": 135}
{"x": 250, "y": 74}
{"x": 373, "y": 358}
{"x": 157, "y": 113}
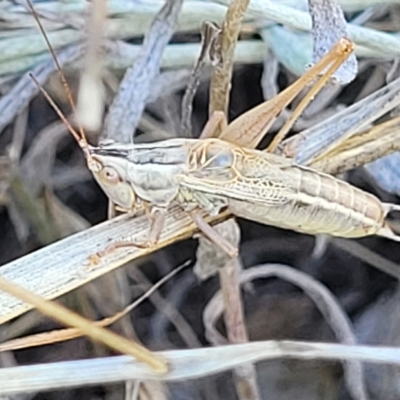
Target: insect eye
{"x": 110, "y": 175}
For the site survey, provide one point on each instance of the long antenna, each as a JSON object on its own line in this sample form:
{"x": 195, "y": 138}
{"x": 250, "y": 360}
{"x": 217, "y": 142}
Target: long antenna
{"x": 80, "y": 138}
{"x": 74, "y": 133}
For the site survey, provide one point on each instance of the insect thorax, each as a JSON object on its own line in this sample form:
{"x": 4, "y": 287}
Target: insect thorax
{"x": 154, "y": 170}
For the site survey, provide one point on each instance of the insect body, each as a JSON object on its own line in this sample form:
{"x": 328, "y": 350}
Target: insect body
{"x": 213, "y": 174}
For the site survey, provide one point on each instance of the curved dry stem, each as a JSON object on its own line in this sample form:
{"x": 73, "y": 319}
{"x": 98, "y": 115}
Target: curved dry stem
{"x": 324, "y": 301}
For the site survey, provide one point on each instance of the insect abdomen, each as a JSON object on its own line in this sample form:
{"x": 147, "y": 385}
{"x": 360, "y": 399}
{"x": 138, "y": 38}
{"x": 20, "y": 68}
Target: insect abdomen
{"x": 320, "y": 204}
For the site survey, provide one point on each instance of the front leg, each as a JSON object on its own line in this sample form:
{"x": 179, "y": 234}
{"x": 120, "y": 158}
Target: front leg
{"x": 156, "y": 217}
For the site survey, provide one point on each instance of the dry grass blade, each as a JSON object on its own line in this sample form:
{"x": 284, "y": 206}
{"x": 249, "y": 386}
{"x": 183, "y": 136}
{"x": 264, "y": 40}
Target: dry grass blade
{"x": 314, "y": 143}
{"x": 380, "y": 140}
{"x": 222, "y": 73}
{"x": 184, "y": 364}
{"x": 95, "y": 332}
{"x": 62, "y": 335}
{"x": 63, "y": 266}
{"x": 91, "y": 92}
{"x": 211, "y": 35}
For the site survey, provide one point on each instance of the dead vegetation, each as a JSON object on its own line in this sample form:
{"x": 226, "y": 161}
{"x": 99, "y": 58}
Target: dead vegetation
{"x": 315, "y": 291}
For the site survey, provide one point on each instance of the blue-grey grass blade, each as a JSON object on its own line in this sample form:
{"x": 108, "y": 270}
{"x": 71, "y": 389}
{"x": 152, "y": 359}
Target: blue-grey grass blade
{"x": 312, "y": 143}
{"x": 328, "y": 26}
{"x": 184, "y": 364}
{"x": 128, "y": 106}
